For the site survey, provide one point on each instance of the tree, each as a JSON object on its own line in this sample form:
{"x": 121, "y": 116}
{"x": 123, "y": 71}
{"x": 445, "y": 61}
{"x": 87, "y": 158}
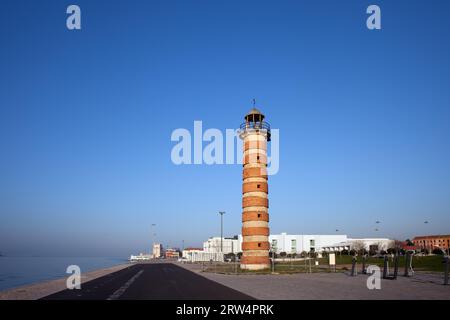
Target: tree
{"x": 230, "y": 257}
{"x": 391, "y": 250}
{"x": 359, "y": 247}
{"x": 373, "y": 249}
{"x": 380, "y": 246}
{"x": 397, "y": 245}
{"x": 438, "y": 251}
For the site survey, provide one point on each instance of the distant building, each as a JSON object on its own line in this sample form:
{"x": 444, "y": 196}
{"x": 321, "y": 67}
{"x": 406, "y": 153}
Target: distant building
{"x": 230, "y": 245}
{"x": 298, "y": 243}
{"x": 432, "y": 242}
{"x": 369, "y": 244}
{"x": 140, "y": 257}
{"x": 199, "y": 255}
{"x": 172, "y": 253}
{"x": 189, "y": 251}
{"x": 408, "y": 246}
{"x": 157, "y": 250}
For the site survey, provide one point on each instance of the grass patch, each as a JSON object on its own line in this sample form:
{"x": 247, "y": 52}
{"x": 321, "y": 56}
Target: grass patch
{"x": 419, "y": 263}
{"x": 425, "y": 263}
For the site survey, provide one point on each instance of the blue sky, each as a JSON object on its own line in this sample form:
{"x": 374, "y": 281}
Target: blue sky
{"x": 86, "y": 118}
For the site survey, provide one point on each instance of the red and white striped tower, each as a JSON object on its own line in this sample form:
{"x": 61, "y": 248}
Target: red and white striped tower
{"x": 255, "y": 133}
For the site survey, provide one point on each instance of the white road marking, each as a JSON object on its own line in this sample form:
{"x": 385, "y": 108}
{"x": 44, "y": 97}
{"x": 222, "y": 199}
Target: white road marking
{"x": 122, "y": 289}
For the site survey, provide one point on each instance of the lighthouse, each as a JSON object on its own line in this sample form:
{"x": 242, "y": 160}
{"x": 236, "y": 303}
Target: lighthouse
{"x": 255, "y": 133}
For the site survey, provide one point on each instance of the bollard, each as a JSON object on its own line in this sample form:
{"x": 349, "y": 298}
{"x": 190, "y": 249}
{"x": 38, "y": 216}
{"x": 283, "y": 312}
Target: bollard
{"x": 407, "y": 257}
{"x": 385, "y": 267}
{"x": 447, "y": 262}
{"x": 395, "y": 267}
{"x": 409, "y": 271}
{"x": 354, "y": 272}
{"x": 364, "y": 258}
{"x": 309, "y": 265}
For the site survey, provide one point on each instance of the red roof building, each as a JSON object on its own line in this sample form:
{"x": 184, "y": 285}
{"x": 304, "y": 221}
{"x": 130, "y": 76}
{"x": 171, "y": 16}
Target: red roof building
{"x": 432, "y": 242}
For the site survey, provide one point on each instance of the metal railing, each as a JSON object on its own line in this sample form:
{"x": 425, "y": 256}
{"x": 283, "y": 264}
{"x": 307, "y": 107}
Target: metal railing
{"x": 260, "y": 125}
{"x": 430, "y": 271}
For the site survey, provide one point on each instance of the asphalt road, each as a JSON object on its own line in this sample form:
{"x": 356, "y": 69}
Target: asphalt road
{"x": 164, "y": 281}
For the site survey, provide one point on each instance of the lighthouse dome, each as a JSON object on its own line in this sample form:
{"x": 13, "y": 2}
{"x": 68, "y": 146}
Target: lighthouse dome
{"x": 254, "y": 115}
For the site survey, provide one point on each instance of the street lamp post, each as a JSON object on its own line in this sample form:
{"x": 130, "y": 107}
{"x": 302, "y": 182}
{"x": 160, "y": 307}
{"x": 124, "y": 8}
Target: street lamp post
{"x": 221, "y": 230}
{"x": 153, "y": 238}
{"x": 273, "y": 249}
{"x": 428, "y": 242}
{"x": 338, "y": 252}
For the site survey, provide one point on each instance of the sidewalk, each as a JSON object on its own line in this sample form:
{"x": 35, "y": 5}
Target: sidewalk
{"x": 330, "y": 286}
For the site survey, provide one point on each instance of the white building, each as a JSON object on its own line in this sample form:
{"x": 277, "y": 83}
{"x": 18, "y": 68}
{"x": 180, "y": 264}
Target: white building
{"x": 230, "y": 245}
{"x": 202, "y": 256}
{"x": 369, "y": 244}
{"x": 157, "y": 250}
{"x": 298, "y": 243}
{"x": 140, "y": 257}
{"x": 189, "y": 251}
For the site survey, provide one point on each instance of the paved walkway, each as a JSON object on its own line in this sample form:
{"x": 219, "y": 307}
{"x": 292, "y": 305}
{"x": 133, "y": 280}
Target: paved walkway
{"x": 330, "y": 286}
{"x": 151, "y": 281}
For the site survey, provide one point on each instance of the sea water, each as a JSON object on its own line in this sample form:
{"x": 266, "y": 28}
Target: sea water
{"x": 19, "y": 271}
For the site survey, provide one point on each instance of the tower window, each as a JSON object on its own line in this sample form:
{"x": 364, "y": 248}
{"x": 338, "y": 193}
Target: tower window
{"x": 259, "y": 244}
{"x": 258, "y": 186}
{"x": 259, "y": 215}
{"x": 257, "y": 157}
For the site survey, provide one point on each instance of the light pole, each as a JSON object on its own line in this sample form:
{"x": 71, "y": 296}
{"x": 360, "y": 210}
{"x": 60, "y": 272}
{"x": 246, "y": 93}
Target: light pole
{"x": 338, "y": 252}
{"x": 221, "y": 230}
{"x": 153, "y": 237}
{"x": 273, "y": 256}
{"x": 428, "y": 241}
